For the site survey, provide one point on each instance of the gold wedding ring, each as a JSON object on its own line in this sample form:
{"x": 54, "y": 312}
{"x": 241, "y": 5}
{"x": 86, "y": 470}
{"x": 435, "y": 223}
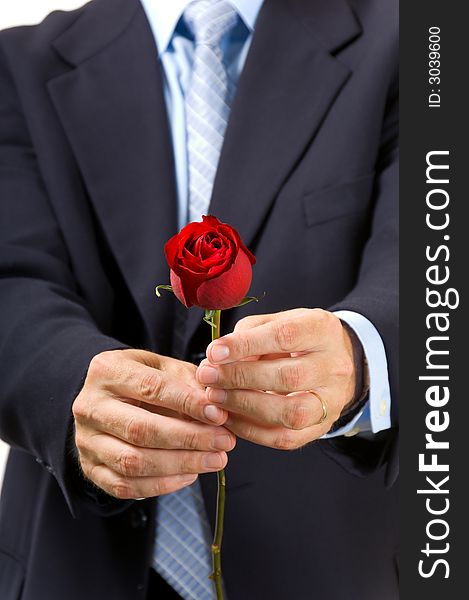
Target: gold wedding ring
{"x": 323, "y": 404}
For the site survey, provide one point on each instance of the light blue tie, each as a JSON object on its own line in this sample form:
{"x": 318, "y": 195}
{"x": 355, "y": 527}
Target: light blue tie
{"x": 207, "y": 99}
{"x": 182, "y": 548}
{"x": 183, "y": 537}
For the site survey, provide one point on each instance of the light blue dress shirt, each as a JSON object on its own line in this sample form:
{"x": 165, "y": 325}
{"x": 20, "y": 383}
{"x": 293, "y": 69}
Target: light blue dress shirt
{"x": 176, "y": 48}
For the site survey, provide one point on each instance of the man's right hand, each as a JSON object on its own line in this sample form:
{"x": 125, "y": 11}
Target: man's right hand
{"x": 143, "y": 425}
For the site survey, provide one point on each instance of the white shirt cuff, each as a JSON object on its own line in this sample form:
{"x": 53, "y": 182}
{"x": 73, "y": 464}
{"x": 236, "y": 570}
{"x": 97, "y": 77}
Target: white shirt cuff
{"x": 375, "y": 416}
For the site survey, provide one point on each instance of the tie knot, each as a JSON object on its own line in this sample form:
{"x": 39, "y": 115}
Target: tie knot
{"x": 209, "y": 20}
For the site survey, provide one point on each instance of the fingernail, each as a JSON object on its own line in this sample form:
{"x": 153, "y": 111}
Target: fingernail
{"x": 223, "y": 442}
{"x": 208, "y": 374}
{"x": 212, "y": 461}
{"x": 219, "y": 352}
{"x": 217, "y": 395}
{"x": 213, "y": 413}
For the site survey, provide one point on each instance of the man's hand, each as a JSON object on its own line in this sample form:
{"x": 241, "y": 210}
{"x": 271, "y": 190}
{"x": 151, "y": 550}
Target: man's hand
{"x": 261, "y": 371}
{"x": 142, "y": 425}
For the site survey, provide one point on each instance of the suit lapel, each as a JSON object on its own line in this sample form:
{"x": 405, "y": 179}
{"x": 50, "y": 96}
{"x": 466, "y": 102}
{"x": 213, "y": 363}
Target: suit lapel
{"x": 288, "y": 83}
{"x": 112, "y": 107}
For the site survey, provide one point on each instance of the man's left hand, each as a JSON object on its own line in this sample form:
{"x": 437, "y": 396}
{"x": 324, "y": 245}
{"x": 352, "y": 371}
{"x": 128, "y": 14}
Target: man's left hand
{"x": 279, "y": 374}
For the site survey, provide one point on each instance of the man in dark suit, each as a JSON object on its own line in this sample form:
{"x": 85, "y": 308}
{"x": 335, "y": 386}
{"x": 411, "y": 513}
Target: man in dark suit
{"x": 102, "y": 398}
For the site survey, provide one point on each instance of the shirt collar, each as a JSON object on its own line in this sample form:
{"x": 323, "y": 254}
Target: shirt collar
{"x": 164, "y": 15}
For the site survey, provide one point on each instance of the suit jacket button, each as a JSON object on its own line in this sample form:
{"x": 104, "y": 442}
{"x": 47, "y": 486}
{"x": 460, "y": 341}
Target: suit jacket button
{"x": 138, "y": 518}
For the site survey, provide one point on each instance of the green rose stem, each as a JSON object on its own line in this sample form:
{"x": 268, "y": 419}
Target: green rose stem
{"x": 212, "y": 317}
{"x": 218, "y": 536}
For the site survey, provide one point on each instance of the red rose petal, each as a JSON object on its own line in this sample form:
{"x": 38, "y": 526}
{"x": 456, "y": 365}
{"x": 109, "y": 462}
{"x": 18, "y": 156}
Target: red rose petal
{"x": 228, "y": 289}
{"x": 177, "y": 288}
{"x": 210, "y": 265}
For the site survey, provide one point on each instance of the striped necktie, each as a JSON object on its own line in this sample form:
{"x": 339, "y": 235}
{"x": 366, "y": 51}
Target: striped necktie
{"x": 182, "y": 549}
{"x": 207, "y": 99}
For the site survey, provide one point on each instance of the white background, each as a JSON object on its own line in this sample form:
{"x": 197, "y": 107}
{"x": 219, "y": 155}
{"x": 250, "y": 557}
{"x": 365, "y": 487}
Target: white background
{"x": 28, "y": 12}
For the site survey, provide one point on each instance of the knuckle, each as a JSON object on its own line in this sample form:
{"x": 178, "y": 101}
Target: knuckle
{"x": 185, "y": 403}
{"x": 285, "y": 332}
{"x": 121, "y": 489}
{"x": 94, "y": 415}
{"x": 151, "y": 386}
{"x": 243, "y": 403}
{"x": 80, "y": 409}
{"x": 84, "y": 408}
{"x": 244, "y": 345}
{"x": 333, "y": 320}
{"x": 240, "y": 345}
{"x": 87, "y": 469}
{"x": 250, "y": 433}
{"x": 187, "y": 463}
{"x": 160, "y": 486}
{"x": 130, "y": 463}
{"x": 99, "y": 365}
{"x": 164, "y": 485}
{"x": 321, "y": 315}
{"x": 238, "y": 376}
{"x": 80, "y": 440}
{"x": 296, "y": 416}
{"x": 328, "y": 321}
{"x": 286, "y": 440}
{"x": 137, "y": 432}
{"x": 291, "y": 377}
{"x": 191, "y": 440}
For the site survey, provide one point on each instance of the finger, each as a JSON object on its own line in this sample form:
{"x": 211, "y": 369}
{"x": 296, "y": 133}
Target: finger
{"x": 126, "y": 488}
{"x": 292, "y": 331}
{"x": 252, "y": 321}
{"x": 283, "y": 375}
{"x": 280, "y": 438}
{"x": 295, "y": 411}
{"x": 131, "y": 379}
{"x": 147, "y": 430}
{"x": 255, "y": 320}
{"x": 132, "y": 461}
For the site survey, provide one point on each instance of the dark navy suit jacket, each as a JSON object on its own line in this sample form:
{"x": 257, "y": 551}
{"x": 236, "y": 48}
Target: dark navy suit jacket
{"x": 308, "y": 175}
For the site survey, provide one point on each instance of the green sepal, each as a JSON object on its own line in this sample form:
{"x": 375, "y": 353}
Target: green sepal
{"x": 249, "y": 299}
{"x": 162, "y": 287}
{"x": 209, "y": 314}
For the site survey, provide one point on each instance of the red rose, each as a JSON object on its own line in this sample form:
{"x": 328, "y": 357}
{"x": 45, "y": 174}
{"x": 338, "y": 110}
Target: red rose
{"x": 210, "y": 265}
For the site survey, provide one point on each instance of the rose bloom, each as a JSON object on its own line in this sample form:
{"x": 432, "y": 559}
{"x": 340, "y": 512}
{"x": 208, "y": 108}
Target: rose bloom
{"x": 210, "y": 265}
